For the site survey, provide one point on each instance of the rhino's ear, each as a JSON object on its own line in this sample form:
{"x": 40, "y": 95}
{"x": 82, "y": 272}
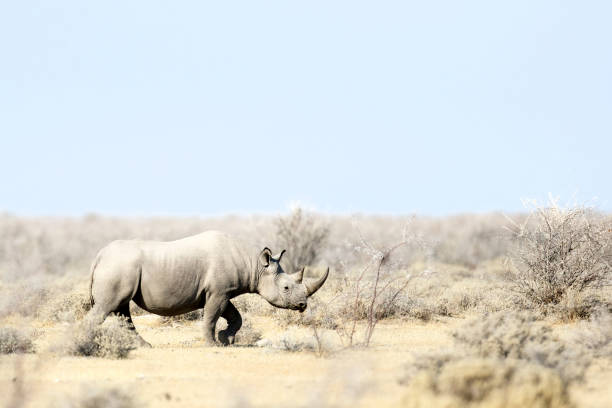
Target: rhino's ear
{"x": 279, "y": 256}
{"x": 265, "y": 256}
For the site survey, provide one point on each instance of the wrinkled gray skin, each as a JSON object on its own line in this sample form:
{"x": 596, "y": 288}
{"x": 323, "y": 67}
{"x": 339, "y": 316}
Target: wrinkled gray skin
{"x": 202, "y": 271}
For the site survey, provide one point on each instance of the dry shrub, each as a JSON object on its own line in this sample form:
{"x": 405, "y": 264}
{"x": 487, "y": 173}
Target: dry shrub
{"x": 446, "y": 291}
{"x": 519, "y": 335}
{"x": 285, "y": 318}
{"x": 504, "y": 359}
{"x": 427, "y": 298}
{"x": 577, "y": 305}
{"x": 182, "y": 318}
{"x": 60, "y": 246}
{"x": 439, "y": 290}
{"x": 289, "y": 341}
{"x": 292, "y": 344}
{"x": 253, "y": 304}
{"x": 136, "y": 310}
{"x": 35, "y": 246}
{"x": 442, "y": 290}
{"x": 302, "y": 235}
{"x": 502, "y": 335}
{"x": 67, "y": 308}
{"x": 48, "y": 298}
{"x": 247, "y": 335}
{"x": 112, "y": 339}
{"x": 420, "y": 309}
{"x": 23, "y": 298}
{"x": 375, "y": 291}
{"x": 320, "y": 317}
{"x": 42, "y": 259}
{"x": 469, "y": 240}
{"x": 348, "y": 305}
{"x": 98, "y": 397}
{"x": 15, "y": 341}
{"x": 319, "y": 313}
{"x": 490, "y": 383}
{"x": 561, "y": 251}
{"x": 596, "y": 335}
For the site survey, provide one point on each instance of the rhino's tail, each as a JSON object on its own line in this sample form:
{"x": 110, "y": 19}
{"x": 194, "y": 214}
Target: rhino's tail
{"x": 91, "y": 278}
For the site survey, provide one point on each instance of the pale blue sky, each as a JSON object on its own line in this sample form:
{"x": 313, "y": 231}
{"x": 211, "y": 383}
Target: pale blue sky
{"x": 434, "y": 107}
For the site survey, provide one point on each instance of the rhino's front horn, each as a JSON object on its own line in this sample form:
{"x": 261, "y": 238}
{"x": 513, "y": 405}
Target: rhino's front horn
{"x": 299, "y": 275}
{"x": 312, "y": 287}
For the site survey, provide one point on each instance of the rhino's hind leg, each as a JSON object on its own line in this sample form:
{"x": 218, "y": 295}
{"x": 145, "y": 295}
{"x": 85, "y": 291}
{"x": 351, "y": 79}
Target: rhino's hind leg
{"x": 124, "y": 311}
{"x": 234, "y": 322}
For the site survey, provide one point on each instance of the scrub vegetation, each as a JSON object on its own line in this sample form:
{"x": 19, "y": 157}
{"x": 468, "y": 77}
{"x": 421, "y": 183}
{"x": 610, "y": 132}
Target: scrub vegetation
{"x": 485, "y": 310}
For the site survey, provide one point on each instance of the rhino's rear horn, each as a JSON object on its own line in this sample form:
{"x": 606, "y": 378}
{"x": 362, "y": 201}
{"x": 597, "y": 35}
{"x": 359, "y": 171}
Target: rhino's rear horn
{"x": 312, "y": 287}
{"x": 299, "y": 275}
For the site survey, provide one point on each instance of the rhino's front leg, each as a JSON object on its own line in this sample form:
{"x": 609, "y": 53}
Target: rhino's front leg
{"x": 213, "y": 308}
{"x": 234, "y": 322}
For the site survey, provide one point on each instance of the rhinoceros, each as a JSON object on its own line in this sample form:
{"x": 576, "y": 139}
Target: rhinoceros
{"x": 201, "y": 271}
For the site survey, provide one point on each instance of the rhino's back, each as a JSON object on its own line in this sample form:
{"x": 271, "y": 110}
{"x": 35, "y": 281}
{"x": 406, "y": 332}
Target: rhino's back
{"x": 176, "y": 275}
{"x": 210, "y": 249}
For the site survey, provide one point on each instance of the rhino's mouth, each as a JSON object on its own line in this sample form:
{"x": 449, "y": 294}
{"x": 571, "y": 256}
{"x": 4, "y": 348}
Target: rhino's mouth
{"x": 301, "y": 309}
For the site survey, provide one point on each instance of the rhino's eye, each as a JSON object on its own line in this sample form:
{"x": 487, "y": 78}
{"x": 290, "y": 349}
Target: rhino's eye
{"x": 286, "y": 288}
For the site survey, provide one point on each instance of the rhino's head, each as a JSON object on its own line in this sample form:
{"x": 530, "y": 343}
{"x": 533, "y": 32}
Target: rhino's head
{"x": 281, "y": 289}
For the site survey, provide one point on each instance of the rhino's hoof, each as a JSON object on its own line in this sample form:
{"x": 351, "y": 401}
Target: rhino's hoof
{"x": 223, "y": 338}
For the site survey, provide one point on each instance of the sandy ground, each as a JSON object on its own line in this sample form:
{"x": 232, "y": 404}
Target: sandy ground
{"x": 181, "y": 372}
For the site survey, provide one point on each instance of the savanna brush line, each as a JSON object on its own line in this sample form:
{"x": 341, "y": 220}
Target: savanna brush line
{"x": 201, "y": 271}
